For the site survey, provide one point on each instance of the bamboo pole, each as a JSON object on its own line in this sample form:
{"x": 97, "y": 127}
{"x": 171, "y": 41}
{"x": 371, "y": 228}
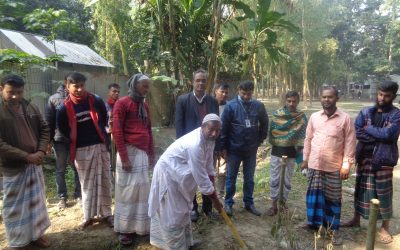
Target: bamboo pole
{"x": 233, "y": 229}
{"x": 373, "y": 216}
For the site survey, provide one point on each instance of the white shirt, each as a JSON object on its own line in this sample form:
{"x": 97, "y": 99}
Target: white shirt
{"x": 186, "y": 164}
{"x": 199, "y": 100}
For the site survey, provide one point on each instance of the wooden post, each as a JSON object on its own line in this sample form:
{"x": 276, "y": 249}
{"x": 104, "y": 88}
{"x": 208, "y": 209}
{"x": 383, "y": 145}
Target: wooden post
{"x": 373, "y": 216}
{"x": 281, "y": 186}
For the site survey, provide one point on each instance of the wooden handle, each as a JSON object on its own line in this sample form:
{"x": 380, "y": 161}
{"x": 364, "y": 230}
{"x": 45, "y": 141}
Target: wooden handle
{"x": 233, "y": 229}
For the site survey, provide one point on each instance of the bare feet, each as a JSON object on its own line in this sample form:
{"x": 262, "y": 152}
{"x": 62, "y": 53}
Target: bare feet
{"x": 351, "y": 223}
{"x": 384, "y": 236}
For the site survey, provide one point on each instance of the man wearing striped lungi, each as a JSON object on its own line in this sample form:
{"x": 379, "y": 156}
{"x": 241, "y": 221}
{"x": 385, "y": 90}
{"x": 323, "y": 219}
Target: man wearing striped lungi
{"x": 329, "y": 150}
{"x": 24, "y": 138}
{"x": 134, "y": 142}
{"x": 82, "y": 118}
{"x": 377, "y": 130}
{"x": 184, "y": 166}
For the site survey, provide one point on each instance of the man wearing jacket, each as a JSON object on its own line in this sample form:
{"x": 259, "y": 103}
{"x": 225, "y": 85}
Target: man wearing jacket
{"x": 377, "y": 132}
{"x": 61, "y": 147}
{"x": 82, "y": 118}
{"x": 24, "y": 137}
{"x": 244, "y": 128}
{"x": 191, "y": 108}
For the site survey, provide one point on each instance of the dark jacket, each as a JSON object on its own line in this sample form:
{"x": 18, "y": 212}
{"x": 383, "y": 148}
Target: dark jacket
{"x": 50, "y": 113}
{"x": 235, "y": 135}
{"x": 62, "y": 118}
{"x": 12, "y": 157}
{"x": 187, "y": 117}
{"x": 385, "y": 152}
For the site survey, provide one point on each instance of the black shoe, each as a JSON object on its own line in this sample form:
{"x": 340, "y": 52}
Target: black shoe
{"x": 210, "y": 215}
{"x": 252, "y": 209}
{"x": 194, "y": 216}
{"x": 228, "y": 210}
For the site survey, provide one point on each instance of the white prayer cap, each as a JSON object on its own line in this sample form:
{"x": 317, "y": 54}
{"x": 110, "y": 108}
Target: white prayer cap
{"x": 211, "y": 117}
{"x": 143, "y": 77}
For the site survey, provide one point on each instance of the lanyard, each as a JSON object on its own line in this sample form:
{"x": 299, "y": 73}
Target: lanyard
{"x": 247, "y": 120}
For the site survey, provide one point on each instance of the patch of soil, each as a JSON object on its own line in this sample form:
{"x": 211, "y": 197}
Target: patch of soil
{"x": 215, "y": 234}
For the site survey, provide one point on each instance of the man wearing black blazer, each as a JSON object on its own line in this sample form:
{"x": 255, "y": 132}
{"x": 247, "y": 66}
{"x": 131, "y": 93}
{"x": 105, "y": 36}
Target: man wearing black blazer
{"x": 190, "y": 111}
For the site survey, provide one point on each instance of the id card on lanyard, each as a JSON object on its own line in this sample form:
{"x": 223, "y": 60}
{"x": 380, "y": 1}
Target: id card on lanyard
{"x": 247, "y": 120}
{"x": 248, "y": 124}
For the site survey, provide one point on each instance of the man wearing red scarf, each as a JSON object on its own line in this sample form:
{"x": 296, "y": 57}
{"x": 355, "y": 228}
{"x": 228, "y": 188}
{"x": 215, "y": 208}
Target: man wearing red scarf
{"x": 82, "y": 118}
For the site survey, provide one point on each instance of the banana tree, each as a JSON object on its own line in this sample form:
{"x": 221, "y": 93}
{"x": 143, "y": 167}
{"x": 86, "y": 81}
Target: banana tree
{"x": 263, "y": 26}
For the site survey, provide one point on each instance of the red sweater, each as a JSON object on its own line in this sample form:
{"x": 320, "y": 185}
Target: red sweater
{"x": 128, "y": 129}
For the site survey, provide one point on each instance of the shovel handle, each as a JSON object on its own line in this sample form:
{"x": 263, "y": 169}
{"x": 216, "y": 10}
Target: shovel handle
{"x": 233, "y": 229}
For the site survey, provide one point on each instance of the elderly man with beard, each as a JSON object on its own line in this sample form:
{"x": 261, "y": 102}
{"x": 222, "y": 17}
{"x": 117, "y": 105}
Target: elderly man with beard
{"x": 24, "y": 137}
{"x": 377, "y": 131}
{"x": 329, "y": 150}
{"x": 82, "y": 118}
{"x": 134, "y": 142}
{"x": 184, "y": 166}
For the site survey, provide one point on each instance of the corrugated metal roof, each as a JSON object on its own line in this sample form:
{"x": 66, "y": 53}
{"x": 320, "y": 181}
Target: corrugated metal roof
{"x": 73, "y": 52}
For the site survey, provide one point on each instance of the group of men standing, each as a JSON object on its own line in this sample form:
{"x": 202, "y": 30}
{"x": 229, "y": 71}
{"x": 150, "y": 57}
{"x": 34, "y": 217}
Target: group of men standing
{"x": 214, "y": 138}
{"x": 76, "y": 127}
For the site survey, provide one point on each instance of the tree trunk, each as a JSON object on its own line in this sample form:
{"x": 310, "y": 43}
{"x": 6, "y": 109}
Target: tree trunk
{"x": 122, "y": 48}
{"x": 164, "y": 45}
{"x": 306, "y": 88}
{"x": 254, "y": 66}
{"x": 212, "y": 62}
{"x": 174, "y": 44}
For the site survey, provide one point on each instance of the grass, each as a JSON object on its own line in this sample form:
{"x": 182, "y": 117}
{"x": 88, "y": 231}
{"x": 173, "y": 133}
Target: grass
{"x": 49, "y": 171}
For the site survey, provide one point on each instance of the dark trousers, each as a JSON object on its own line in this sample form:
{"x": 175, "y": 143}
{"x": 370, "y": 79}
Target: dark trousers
{"x": 249, "y": 167}
{"x": 207, "y": 204}
{"x": 62, "y": 158}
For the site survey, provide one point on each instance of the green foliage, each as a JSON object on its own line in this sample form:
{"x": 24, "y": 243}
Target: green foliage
{"x": 17, "y": 61}
{"x": 12, "y": 14}
{"x": 164, "y": 78}
{"x": 9, "y": 10}
{"x": 50, "y": 21}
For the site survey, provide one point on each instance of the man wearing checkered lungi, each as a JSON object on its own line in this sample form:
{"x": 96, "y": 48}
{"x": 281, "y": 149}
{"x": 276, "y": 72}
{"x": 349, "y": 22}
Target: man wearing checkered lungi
{"x": 377, "y": 130}
{"x": 329, "y": 150}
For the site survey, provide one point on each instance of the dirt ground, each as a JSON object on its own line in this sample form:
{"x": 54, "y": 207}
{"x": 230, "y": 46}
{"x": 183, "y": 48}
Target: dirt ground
{"x": 215, "y": 234}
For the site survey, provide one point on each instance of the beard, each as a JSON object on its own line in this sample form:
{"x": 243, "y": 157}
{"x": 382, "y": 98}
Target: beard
{"x": 384, "y": 104}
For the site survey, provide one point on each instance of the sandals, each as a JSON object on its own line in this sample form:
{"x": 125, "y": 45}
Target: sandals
{"x": 42, "y": 242}
{"x": 384, "y": 238}
{"x": 272, "y": 211}
{"x": 125, "y": 239}
{"x": 85, "y": 224}
{"x": 351, "y": 223}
